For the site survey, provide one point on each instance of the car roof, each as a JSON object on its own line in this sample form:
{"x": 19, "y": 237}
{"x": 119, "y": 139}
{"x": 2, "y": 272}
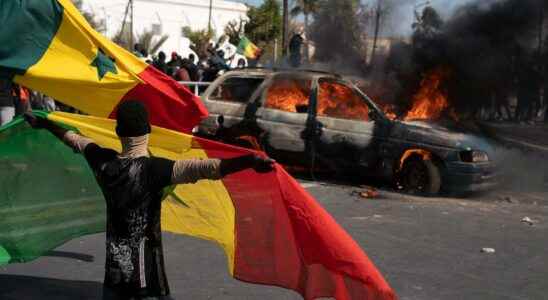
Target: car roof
{"x": 279, "y": 71}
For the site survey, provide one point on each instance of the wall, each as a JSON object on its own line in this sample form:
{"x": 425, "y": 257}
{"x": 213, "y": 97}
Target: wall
{"x": 169, "y": 15}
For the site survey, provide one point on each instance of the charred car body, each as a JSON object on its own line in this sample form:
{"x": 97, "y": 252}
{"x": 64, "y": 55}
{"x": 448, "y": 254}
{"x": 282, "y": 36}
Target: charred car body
{"x": 320, "y": 120}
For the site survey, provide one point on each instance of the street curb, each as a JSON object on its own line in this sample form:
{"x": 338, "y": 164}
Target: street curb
{"x": 491, "y": 131}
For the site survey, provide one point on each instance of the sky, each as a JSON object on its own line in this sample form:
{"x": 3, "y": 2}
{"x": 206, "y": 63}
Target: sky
{"x": 250, "y": 2}
{"x": 404, "y": 14}
{"x": 441, "y": 3}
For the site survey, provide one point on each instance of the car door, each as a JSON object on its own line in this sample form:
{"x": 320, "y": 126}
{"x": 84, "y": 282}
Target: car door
{"x": 229, "y": 98}
{"x": 283, "y": 117}
{"x": 348, "y": 138}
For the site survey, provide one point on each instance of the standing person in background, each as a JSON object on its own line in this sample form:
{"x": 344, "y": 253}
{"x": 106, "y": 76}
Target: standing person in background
{"x": 22, "y": 103}
{"x": 295, "y": 48}
{"x": 182, "y": 73}
{"x": 42, "y": 102}
{"x": 192, "y": 58}
{"x": 137, "y": 50}
{"x": 7, "y": 101}
{"x": 160, "y": 63}
{"x": 192, "y": 68}
{"x": 173, "y": 64}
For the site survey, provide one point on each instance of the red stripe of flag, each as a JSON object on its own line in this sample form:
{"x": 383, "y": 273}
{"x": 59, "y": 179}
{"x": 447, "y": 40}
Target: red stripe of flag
{"x": 170, "y": 104}
{"x": 285, "y": 238}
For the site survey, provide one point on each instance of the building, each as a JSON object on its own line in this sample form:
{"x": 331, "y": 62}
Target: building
{"x": 167, "y": 17}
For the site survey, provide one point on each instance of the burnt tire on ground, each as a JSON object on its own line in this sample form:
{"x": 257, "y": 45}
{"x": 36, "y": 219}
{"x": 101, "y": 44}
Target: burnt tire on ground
{"x": 421, "y": 177}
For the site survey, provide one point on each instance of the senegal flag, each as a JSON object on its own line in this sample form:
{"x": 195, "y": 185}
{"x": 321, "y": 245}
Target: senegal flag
{"x": 272, "y": 231}
{"x": 248, "y": 49}
{"x": 47, "y": 46}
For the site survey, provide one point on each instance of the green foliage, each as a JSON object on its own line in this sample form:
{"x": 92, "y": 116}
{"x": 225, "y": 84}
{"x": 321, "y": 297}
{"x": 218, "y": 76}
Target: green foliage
{"x": 199, "y": 39}
{"x": 233, "y": 30}
{"x": 149, "y": 43}
{"x": 265, "y": 23}
{"x": 145, "y": 39}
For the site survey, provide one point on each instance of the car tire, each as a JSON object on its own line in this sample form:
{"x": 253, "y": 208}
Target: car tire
{"x": 421, "y": 177}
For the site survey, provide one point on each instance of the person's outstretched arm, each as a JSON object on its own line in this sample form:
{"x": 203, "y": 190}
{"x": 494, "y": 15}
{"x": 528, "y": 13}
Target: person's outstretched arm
{"x": 77, "y": 142}
{"x": 190, "y": 171}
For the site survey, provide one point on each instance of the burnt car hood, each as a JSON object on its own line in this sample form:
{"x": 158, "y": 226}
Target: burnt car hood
{"x": 437, "y": 135}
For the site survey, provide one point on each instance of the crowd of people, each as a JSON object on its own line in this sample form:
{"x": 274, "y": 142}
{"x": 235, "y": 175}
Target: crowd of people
{"x": 205, "y": 68}
{"x": 16, "y": 100}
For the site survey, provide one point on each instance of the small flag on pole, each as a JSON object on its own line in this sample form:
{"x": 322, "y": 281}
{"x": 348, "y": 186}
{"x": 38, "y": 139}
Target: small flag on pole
{"x": 248, "y": 49}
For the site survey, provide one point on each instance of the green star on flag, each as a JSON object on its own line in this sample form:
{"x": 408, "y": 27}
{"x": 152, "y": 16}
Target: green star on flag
{"x": 103, "y": 64}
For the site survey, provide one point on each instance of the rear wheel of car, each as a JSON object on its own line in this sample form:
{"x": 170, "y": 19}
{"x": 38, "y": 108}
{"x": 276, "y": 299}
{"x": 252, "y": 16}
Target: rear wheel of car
{"x": 420, "y": 176}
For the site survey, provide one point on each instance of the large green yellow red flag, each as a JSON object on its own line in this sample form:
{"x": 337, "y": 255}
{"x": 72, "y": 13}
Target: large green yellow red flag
{"x": 48, "y": 46}
{"x": 272, "y": 231}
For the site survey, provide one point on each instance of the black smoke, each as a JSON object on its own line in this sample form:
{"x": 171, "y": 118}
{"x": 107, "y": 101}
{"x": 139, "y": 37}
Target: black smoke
{"x": 487, "y": 45}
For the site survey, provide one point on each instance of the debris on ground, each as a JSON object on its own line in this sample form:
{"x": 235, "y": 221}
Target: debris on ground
{"x": 508, "y": 199}
{"x": 488, "y": 250}
{"x": 368, "y": 193}
{"x": 528, "y": 221}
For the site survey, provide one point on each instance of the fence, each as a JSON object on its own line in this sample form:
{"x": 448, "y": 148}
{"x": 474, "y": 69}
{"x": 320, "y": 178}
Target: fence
{"x": 195, "y": 85}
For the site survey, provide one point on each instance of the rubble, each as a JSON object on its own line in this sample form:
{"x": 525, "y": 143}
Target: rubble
{"x": 528, "y": 221}
{"x": 369, "y": 193}
{"x": 508, "y": 199}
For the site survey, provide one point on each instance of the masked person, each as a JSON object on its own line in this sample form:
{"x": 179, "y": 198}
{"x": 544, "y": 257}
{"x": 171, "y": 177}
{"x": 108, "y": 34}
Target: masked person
{"x": 132, "y": 183}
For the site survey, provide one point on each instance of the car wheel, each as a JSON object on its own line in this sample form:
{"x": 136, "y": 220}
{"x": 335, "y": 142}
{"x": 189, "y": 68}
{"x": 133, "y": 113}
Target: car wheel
{"x": 420, "y": 177}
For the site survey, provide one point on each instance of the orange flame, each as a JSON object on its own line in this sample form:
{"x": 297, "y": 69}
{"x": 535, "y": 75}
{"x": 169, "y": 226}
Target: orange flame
{"x": 334, "y": 99}
{"x": 338, "y": 101}
{"x": 430, "y": 102}
{"x": 289, "y": 95}
{"x": 389, "y": 111}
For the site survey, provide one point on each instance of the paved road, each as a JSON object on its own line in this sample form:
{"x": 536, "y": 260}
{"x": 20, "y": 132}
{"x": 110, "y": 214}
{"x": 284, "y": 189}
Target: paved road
{"x": 426, "y": 248}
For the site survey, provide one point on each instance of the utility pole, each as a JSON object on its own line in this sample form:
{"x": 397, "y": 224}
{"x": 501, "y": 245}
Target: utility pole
{"x": 122, "y": 31}
{"x": 377, "y": 28}
{"x": 285, "y": 27}
{"x": 541, "y": 31}
{"x": 131, "y": 26}
{"x": 209, "y": 22}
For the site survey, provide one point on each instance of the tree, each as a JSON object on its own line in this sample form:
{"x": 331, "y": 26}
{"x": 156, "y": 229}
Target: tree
{"x": 305, "y": 7}
{"x": 147, "y": 39}
{"x": 234, "y": 30}
{"x": 199, "y": 40}
{"x": 265, "y": 25}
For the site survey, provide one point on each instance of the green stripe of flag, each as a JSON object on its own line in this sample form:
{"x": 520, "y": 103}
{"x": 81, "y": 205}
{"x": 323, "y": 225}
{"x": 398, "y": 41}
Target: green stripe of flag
{"x": 48, "y": 194}
{"x": 27, "y": 29}
{"x": 4, "y": 256}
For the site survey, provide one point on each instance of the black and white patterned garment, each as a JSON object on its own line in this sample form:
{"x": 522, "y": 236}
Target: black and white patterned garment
{"x": 133, "y": 190}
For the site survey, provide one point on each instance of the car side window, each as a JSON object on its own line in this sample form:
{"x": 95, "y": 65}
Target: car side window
{"x": 289, "y": 94}
{"x": 236, "y": 89}
{"x": 337, "y": 100}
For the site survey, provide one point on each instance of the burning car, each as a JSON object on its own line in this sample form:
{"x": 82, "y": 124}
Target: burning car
{"x": 320, "y": 120}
